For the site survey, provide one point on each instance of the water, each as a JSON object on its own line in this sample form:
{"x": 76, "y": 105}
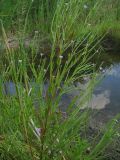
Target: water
{"x": 107, "y": 93}
{"x": 106, "y": 96}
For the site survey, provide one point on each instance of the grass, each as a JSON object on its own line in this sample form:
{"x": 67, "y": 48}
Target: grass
{"x": 32, "y": 123}
{"x": 89, "y": 15}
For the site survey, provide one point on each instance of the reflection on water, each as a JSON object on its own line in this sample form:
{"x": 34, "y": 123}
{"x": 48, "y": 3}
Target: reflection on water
{"x": 107, "y": 93}
{"x": 100, "y": 100}
{"x": 106, "y": 97}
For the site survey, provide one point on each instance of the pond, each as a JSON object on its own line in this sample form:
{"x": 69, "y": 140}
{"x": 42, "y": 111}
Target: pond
{"x": 106, "y": 96}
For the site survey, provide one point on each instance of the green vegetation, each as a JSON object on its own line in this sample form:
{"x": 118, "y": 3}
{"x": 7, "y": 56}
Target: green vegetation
{"x": 40, "y": 14}
{"x": 62, "y": 38}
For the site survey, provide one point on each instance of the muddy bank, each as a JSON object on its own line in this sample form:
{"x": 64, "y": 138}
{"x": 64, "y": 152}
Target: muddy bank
{"x": 43, "y": 44}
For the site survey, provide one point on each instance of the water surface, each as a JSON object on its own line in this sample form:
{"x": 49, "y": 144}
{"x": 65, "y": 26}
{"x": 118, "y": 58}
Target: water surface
{"x": 106, "y": 96}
